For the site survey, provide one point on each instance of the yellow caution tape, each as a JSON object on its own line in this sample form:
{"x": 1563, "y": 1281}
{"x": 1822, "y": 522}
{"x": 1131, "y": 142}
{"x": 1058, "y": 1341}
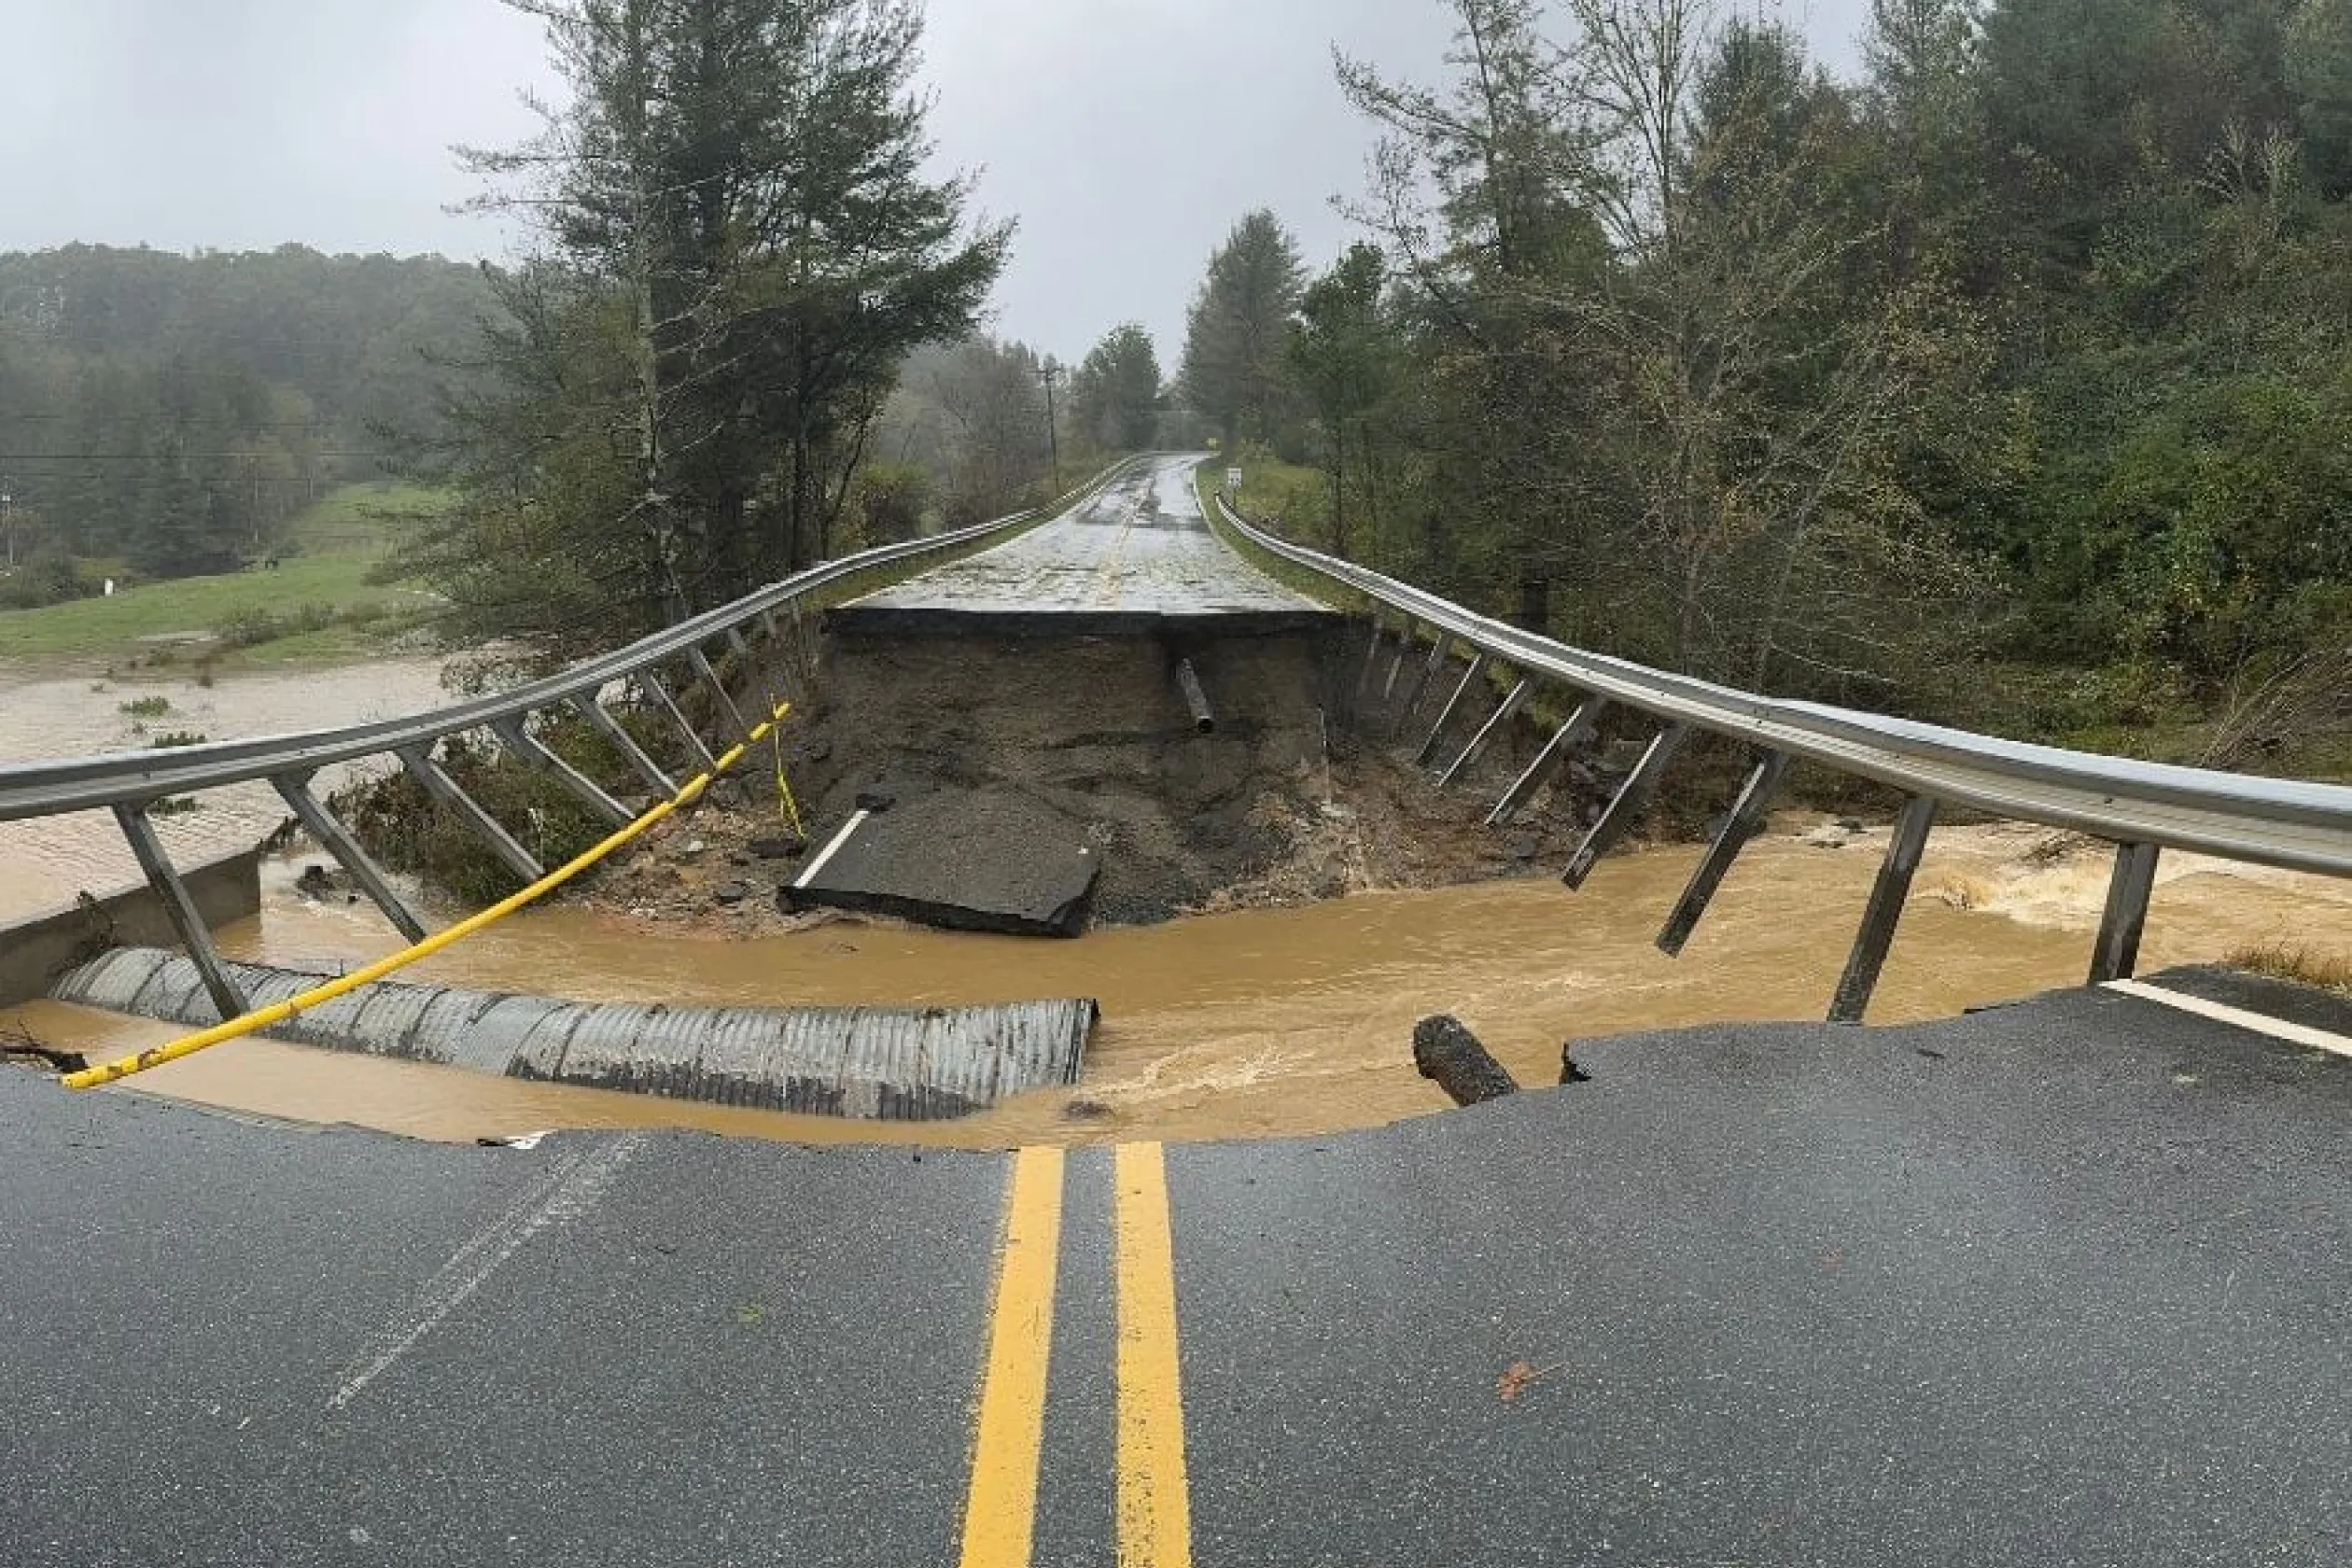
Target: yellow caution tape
{"x": 251, "y": 1023}
{"x": 784, "y": 791}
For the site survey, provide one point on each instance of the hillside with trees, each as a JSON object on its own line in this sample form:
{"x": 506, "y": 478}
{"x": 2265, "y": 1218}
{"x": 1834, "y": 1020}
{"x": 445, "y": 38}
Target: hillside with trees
{"x": 171, "y": 412}
{"x": 2009, "y": 384}
{"x": 738, "y": 245}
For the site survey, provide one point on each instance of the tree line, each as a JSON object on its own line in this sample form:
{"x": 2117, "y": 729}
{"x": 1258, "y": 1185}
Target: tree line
{"x": 2011, "y": 380}
{"x": 748, "y": 338}
{"x": 170, "y": 412}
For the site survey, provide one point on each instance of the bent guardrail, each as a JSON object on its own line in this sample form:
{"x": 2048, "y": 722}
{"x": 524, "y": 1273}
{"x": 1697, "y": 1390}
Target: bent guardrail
{"x": 129, "y": 783}
{"x": 2140, "y": 807}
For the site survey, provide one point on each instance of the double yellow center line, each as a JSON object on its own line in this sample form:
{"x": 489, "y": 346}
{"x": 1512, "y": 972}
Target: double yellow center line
{"x": 1153, "y": 1516}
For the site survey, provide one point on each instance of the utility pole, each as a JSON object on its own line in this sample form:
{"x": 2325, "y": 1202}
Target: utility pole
{"x": 7, "y": 525}
{"x": 1046, "y": 372}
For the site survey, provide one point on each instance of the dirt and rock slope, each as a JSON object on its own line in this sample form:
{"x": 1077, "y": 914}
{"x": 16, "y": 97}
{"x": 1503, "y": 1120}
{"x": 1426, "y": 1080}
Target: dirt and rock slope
{"x": 1021, "y": 743}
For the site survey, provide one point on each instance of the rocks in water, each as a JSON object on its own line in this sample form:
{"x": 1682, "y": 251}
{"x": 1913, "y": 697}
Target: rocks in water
{"x": 1446, "y": 1052}
{"x": 323, "y": 886}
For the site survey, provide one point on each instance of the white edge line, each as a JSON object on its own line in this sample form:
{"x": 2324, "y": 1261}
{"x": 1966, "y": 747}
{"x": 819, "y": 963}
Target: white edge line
{"x": 838, "y": 840}
{"x": 573, "y": 1191}
{"x": 2222, "y": 1013}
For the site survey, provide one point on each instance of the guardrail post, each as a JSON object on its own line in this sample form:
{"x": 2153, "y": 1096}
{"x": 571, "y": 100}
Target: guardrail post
{"x": 1371, "y": 659}
{"x": 294, "y": 789}
{"x": 1740, "y": 825}
{"x": 695, "y": 750}
{"x": 1403, "y": 646}
{"x": 717, "y": 689}
{"x": 1495, "y": 721}
{"x": 1885, "y": 910}
{"x": 1565, "y": 739}
{"x": 1632, "y": 799}
{"x": 180, "y": 908}
{"x": 418, "y": 760}
{"x": 586, "y": 706}
{"x": 737, "y": 643}
{"x": 1453, "y": 704}
{"x": 2116, "y": 953}
{"x": 513, "y": 732}
{"x": 1420, "y": 683}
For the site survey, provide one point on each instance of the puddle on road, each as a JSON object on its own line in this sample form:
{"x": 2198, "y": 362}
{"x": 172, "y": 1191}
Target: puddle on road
{"x": 1259, "y": 1022}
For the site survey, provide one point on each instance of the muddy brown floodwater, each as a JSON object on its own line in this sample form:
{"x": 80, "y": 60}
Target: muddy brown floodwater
{"x": 1258, "y": 1022}
{"x": 54, "y": 713}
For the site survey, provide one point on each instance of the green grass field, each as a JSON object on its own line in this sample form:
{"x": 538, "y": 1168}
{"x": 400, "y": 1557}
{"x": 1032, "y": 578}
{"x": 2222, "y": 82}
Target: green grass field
{"x": 337, "y": 542}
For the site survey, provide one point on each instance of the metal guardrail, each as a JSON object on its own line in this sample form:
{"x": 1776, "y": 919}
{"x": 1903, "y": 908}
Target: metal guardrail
{"x": 130, "y": 783}
{"x": 2140, "y": 807}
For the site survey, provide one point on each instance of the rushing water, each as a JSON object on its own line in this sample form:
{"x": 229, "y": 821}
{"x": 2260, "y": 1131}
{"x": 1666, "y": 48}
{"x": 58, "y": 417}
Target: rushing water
{"x": 1235, "y": 1025}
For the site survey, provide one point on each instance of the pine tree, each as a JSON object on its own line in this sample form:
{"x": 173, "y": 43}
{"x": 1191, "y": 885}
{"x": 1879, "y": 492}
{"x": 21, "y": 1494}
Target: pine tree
{"x": 1238, "y": 328}
{"x": 1116, "y": 394}
{"x": 741, "y": 246}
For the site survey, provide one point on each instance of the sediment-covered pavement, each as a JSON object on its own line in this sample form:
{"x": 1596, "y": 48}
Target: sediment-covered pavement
{"x": 2062, "y": 1281}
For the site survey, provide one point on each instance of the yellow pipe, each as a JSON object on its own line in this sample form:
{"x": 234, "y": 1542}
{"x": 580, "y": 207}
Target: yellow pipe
{"x": 235, "y": 1028}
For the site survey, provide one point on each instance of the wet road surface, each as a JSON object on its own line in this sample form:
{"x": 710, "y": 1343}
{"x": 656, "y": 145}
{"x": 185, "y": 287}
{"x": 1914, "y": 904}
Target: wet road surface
{"x": 1136, "y": 557}
{"x": 2060, "y": 1282}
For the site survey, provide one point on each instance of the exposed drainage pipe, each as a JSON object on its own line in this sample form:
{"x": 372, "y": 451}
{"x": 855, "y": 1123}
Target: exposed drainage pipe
{"x": 1195, "y": 699}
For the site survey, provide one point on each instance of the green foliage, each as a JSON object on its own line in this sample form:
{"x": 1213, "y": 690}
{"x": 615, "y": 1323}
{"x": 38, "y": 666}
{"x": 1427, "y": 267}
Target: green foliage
{"x": 1237, "y": 331}
{"x": 410, "y": 831}
{"x": 743, "y": 242}
{"x": 2222, "y": 529}
{"x": 1345, "y": 356}
{"x": 251, "y": 628}
{"x": 177, "y": 411}
{"x": 2007, "y": 383}
{"x": 127, "y": 626}
{"x": 2319, "y": 59}
{"x": 51, "y": 577}
{"x": 970, "y": 416}
{"x": 1114, "y": 394}
{"x": 892, "y": 501}
{"x": 146, "y": 708}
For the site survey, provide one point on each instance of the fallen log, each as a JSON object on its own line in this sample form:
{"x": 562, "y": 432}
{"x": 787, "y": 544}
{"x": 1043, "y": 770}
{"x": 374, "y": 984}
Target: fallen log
{"x": 1449, "y": 1054}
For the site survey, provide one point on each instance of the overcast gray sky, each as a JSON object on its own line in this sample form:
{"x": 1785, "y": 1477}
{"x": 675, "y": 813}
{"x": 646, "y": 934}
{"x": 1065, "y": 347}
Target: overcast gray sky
{"x": 1126, "y": 135}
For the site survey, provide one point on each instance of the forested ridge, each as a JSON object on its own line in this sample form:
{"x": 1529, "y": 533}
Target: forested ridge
{"x": 170, "y": 412}
{"x": 2006, "y": 380}
{"x": 2010, "y": 383}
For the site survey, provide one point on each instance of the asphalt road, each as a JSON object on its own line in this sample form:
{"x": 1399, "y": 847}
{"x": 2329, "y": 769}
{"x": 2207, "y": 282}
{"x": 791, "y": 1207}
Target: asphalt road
{"x": 2064, "y": 1282}
{"x": 1137, "y": 557}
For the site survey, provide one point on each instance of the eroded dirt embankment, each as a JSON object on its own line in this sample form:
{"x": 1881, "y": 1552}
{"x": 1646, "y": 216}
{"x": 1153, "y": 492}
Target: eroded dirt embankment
{"x": 1089, "y": 740}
